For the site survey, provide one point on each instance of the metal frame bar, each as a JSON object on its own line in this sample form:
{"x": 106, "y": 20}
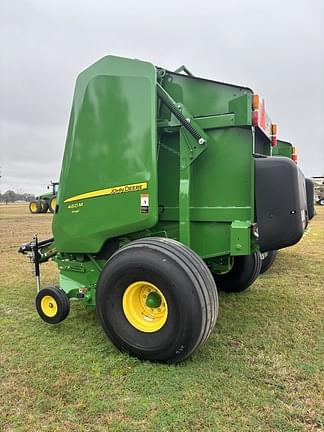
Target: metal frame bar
{"x": 184, "y": 191}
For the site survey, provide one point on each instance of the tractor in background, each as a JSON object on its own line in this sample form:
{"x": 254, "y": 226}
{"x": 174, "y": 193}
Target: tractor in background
{"x": 319, "y": 189}
{"x": 46, "y": 201}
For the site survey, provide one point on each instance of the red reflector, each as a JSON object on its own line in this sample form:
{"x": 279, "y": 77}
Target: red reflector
{"x": 262, "y": 115}
{"x": 255, "y": 118}
{"x": 294, "y": 157}
{"x": 274, "y": 141}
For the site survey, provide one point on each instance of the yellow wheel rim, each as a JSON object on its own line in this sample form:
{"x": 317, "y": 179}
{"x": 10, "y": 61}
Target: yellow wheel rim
{"x": 53, "y": 203}
{"x": 145, "y": 306}
{"x": 49, "y": 306}
{"x": 33, "y": 207}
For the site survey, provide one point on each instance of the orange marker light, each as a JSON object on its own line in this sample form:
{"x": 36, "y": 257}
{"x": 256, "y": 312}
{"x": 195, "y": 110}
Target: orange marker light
{"x": 255, "y": 102}
{"x": 274, "y": 129}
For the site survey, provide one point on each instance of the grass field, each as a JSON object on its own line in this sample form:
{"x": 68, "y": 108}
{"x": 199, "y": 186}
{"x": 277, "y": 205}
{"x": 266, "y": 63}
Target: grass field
{"x": 261, "y": 369}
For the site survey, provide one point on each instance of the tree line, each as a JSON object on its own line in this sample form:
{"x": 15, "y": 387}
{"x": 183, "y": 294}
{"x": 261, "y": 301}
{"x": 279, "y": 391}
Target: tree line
{"x": 11, "y": 196}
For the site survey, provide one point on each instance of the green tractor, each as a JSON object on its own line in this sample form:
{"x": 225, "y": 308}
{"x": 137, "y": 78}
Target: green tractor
{"x": 46, "y": 201}
{"x": 169, "y": 192}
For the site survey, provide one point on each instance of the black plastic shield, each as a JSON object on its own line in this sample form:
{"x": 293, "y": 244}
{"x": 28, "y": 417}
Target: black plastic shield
{"x": 281, "y": 206}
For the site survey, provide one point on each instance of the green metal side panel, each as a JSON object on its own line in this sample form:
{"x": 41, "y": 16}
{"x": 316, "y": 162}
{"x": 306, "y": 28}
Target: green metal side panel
{"x": 204, "y": 97}
{"x": 222, "y": 177}
{"x": 109, "y": 164}
{"x": 222, "y": 188}
{"x": 283, "y": 148}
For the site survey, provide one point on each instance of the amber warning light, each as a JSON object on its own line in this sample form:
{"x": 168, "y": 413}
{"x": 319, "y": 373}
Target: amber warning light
{"x": 255, "y": 110}
{"x": 294, "y": 154}
{"x": 261, "y": 119}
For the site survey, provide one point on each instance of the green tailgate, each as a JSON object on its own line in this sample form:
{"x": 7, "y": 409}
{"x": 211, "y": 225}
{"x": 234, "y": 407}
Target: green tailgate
{"x": 109, "y": 164}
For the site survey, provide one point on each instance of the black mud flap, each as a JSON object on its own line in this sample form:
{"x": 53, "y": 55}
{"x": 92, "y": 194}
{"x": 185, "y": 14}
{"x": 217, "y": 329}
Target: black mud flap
{"x": 280, "y": 201}
{"x": 310, "y": 197}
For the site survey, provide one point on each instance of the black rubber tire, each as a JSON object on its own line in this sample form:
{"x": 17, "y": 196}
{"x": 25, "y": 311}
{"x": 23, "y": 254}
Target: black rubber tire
{"x": 52, "y": 206}
{"x": 186, "y": 284}
{"x": 44, "y": 206}
{"x": 321, "y": 202}
{"x": 267, "y": 260}
{"x": 244, "y": 272}
{"x": 38, "y": 207}
{"x": 62, "y": 300}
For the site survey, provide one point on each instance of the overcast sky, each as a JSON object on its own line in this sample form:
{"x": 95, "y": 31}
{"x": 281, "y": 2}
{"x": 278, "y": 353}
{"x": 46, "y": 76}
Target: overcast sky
{"x": 274, "y": 47}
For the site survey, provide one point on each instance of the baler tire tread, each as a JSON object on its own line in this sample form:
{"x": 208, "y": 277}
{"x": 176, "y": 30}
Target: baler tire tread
{"x": 202, "y": 312}
{"x": 211, "y": 295}
{"x": 268, "y": 261}
{"x": 242, "y": 275}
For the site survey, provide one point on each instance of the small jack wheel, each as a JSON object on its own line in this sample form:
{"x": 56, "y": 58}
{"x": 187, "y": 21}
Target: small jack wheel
{"x": 52, "y": 304}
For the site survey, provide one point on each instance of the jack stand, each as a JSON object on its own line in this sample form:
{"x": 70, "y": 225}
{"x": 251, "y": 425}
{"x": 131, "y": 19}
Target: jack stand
{"x": 36, "y": 261}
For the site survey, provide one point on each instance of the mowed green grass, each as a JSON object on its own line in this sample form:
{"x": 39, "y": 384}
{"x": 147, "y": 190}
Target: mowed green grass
{"x": 261, "y": 369}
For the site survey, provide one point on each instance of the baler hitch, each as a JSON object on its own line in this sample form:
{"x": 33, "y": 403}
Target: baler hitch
{"x": 38, "y": 252}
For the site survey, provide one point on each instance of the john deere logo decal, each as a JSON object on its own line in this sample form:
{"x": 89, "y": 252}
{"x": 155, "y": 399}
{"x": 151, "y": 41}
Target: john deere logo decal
{"x": 109, "y": 191}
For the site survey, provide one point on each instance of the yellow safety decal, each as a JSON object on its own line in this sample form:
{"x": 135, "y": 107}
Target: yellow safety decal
{"x": 109, "y": 191}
